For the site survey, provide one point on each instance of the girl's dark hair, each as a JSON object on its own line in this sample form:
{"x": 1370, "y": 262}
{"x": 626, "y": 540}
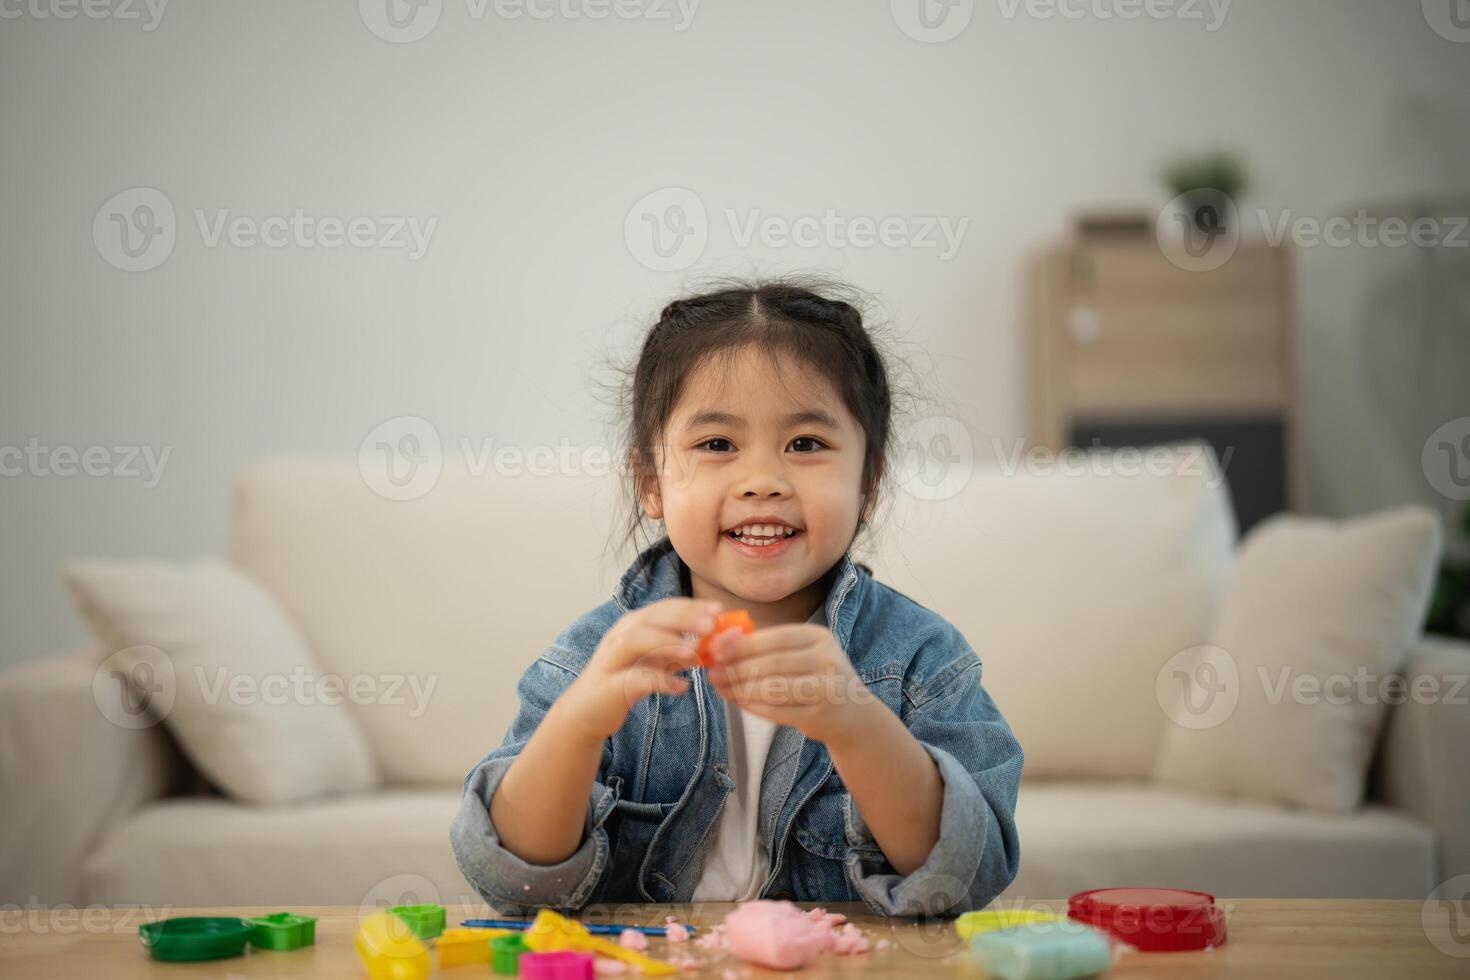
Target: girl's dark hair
{"x": 817, "y": 322}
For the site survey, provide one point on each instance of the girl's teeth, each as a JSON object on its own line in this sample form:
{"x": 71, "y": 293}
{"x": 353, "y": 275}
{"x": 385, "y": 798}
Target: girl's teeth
{"x": 761, "y": 535}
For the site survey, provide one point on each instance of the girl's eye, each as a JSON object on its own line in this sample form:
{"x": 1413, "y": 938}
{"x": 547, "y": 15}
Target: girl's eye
{"x": 715, "y": 445}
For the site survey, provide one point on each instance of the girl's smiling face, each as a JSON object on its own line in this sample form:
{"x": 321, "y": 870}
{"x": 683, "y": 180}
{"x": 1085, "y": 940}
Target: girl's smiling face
{"x": 745, "y": 442}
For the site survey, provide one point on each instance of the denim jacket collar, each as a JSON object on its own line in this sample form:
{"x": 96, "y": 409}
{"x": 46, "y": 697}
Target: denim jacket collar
{"x": 658, "y": 573}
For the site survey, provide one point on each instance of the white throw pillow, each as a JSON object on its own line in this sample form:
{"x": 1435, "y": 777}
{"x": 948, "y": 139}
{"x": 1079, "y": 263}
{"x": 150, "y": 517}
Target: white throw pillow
{"x": 1285, "y": 701}
{"x": 1074, "y": 579}
{"x": 230, "y": 676}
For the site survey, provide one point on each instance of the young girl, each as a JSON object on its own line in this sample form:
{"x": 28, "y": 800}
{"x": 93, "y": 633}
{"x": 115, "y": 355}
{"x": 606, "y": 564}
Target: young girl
{"x": 843, "y": 750}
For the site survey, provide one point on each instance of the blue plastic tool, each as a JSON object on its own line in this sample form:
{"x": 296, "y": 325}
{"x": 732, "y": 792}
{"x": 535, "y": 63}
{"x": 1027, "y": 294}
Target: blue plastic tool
{"x": 596, "y": 928}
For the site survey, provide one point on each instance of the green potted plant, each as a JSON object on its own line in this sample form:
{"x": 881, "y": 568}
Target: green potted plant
{"x": 1199, "y": 181}
{"x": 1449, "y": 610}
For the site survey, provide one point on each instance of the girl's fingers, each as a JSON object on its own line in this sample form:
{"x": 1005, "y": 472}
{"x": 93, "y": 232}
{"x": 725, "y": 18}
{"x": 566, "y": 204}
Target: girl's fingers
{"x": 773, "y": 639}
{"x": 639, "y": 641}
{"x": 641, "y": 682}
{"x": 682, "y": 614}
{"x": 666, "y": 658}
{"x": 771, "y": 665}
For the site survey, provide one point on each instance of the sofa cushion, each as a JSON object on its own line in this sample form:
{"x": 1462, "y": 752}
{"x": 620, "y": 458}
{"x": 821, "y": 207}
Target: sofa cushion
{"x": 1285, "y": 702}
{"x": 212, "y": 655}
{"x": 387, "y": 848}
{"x": 435, "y": 603}
{"x": 1077, "y": 835}
{"x": 1074, "y": 586}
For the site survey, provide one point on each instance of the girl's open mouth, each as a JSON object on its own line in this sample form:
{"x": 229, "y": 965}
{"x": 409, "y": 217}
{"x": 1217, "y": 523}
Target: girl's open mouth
{"x": 762, "y": 542}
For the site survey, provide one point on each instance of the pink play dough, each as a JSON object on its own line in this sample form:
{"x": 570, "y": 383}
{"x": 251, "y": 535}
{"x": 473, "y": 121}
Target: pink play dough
{"x": 674, "y": 932}
{"x": 713, "y": 939}
{"x": 632, "y": 939}
{"x": 850, "y": 939}
{"x": 776, "y": 934}
{"x": 822, "y": 917}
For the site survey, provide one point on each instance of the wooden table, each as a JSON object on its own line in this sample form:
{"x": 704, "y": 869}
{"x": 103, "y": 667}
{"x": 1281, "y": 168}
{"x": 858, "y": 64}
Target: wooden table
{"x": 1268, "y": 938}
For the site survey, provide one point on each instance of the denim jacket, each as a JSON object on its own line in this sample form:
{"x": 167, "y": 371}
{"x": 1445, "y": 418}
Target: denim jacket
{"x": 663, "y": 777}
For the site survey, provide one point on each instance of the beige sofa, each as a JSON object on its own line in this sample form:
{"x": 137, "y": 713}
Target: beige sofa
{"x": 1074, "y": 589}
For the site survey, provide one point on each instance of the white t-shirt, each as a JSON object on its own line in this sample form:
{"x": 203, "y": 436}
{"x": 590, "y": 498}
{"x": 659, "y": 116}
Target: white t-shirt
{"x": 738, "y": 862}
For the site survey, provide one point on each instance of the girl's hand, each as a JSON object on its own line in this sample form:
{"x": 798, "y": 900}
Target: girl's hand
{"x": 793, "y": 675}
{"x": 638, "y": 655}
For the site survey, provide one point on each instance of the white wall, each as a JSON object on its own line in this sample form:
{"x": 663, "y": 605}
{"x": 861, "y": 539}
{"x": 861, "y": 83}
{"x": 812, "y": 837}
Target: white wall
{"x": 529, "y": 141}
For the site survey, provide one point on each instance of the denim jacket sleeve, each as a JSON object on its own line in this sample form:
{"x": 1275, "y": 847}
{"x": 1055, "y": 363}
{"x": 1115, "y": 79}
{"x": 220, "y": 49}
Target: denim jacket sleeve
{"x": 979, "y": 760}
{"x": 510, "y": 884}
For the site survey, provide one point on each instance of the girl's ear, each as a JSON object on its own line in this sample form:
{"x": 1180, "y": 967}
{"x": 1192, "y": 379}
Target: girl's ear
{"x": 652, "y": 505}
{"x": 648, "y": 495}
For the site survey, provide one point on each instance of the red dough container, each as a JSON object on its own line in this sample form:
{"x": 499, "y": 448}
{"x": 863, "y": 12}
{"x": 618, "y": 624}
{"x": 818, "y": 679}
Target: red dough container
{"x": 1152, "y": 919}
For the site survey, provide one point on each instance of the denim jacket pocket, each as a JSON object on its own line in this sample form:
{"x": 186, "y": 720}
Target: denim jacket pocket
{"x": 818, "y": 828}
{"x": 818, "y": 868}
{"x": 630, "y": 831}
{"x": 634, "y": 824}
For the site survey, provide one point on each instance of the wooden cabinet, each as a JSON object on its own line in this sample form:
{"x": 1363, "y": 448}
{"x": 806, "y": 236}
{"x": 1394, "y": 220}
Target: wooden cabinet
{"x": 1126, "y": 348}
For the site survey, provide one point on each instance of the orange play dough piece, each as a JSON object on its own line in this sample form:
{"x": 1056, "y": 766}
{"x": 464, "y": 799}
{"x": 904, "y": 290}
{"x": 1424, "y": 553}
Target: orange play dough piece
{"x": 731, "y": 619}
